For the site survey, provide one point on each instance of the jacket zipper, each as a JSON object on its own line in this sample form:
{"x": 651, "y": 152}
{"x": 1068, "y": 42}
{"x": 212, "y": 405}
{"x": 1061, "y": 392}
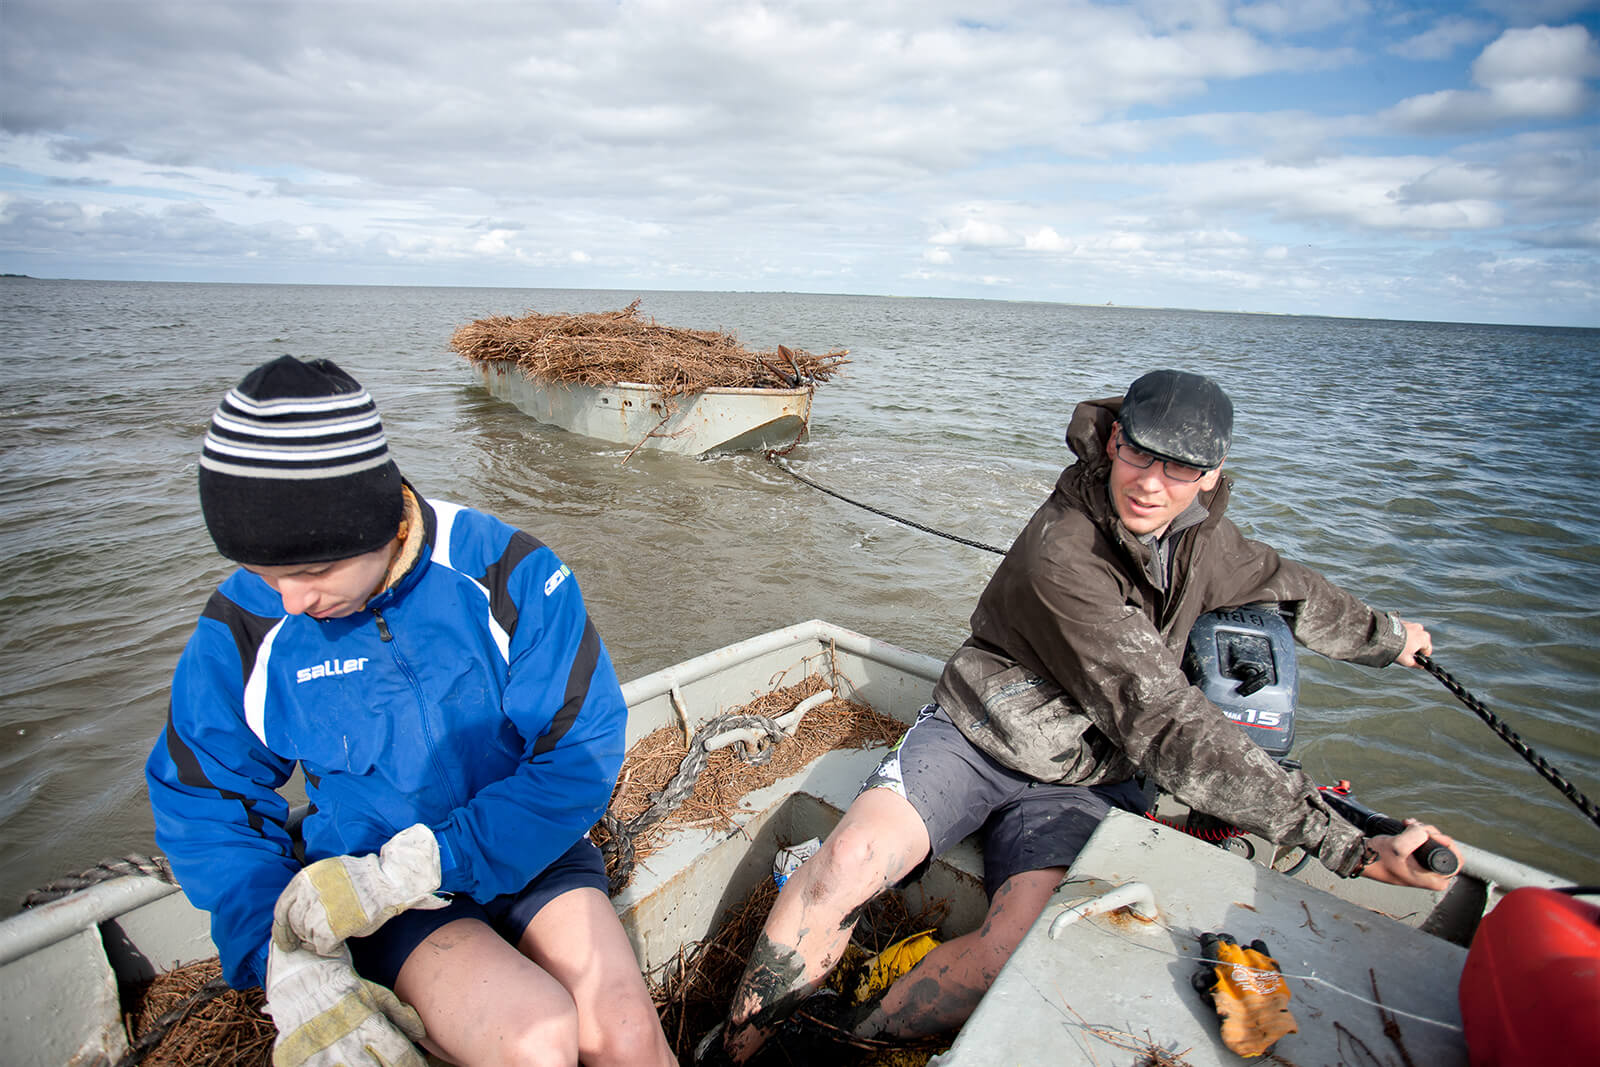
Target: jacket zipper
{"x": 387, "y": 636}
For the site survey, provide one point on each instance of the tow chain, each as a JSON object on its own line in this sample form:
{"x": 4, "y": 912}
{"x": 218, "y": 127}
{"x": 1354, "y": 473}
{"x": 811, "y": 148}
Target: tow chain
{"x": 1509, "y": 736}
{"x": 620, "y": 835}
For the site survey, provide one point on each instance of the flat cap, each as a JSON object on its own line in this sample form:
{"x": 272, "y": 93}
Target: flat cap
{"x": 1178, "y": 416}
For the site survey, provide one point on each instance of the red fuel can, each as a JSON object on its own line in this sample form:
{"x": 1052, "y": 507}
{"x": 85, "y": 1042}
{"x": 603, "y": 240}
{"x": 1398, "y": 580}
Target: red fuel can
{"x": 1530, "y": 989}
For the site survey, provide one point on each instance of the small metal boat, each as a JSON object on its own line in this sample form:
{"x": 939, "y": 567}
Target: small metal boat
{"x": 1105, "y": 969}
{"x": 635, "y": 415}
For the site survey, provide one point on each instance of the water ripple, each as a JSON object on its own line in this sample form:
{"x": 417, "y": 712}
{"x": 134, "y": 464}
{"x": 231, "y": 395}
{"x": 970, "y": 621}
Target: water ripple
{"x": 1457, "y": 496}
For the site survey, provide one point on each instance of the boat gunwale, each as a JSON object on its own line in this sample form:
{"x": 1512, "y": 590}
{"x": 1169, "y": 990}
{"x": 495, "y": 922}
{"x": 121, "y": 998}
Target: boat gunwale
{"x": 547, "y": 382}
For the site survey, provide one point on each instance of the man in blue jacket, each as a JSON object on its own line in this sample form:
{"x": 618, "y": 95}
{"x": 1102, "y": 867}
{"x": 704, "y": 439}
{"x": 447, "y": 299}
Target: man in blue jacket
{"x": 435, "y": 675}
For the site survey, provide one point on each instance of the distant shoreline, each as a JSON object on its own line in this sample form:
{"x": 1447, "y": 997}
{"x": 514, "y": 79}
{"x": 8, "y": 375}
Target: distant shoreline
{"x": 1104, "y": 306}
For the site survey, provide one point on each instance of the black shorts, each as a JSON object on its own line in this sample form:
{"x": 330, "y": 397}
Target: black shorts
{"x": 958, "y": 789}
{"x": 379, "y": 957}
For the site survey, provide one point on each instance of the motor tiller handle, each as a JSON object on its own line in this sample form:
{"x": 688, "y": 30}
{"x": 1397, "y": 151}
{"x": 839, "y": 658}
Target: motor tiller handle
{"x": 1431, "y": 854}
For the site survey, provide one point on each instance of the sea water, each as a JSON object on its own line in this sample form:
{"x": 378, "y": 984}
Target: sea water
{"x": 1444, "y": 471}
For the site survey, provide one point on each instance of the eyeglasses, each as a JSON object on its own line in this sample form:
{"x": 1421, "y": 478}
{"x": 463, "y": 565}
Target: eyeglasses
{"x": 1135, "y": 457}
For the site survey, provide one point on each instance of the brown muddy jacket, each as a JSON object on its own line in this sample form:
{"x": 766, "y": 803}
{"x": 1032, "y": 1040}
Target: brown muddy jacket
{"x": 1072, "y": 673}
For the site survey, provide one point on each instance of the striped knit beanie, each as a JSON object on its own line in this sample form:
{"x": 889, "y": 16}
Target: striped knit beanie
{"x": 295, "y": 468}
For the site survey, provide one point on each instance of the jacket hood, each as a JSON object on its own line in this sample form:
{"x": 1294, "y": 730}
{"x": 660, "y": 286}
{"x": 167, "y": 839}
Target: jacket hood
{"x": 1090, "y": 429}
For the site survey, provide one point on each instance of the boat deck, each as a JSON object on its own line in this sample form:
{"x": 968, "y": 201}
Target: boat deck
{"x": 1098, "y": 988}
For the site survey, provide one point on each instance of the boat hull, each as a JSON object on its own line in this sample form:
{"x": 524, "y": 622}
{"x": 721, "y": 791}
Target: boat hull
{"x": 635, "y": 415}
{"x": 1109, "y": 975}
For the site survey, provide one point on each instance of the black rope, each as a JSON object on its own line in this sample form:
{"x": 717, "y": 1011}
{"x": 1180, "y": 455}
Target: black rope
{"x": 1509, "y": 736}
{"x": 773, "y": 456}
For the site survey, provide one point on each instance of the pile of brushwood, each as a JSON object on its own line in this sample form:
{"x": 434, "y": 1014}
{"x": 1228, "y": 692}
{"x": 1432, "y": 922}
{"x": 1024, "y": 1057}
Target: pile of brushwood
{"x": 188, "y": 1016}
{"x": 655, "y": 759}
{"x": 607, "y": 347}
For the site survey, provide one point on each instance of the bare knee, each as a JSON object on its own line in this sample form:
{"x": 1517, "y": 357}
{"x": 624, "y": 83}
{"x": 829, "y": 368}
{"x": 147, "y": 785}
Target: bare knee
{"x": 843, "y": 866}
{"x": 625, "y": 1039}
{"x": 549, "y": 1039}
{"x": 858, "y": 860}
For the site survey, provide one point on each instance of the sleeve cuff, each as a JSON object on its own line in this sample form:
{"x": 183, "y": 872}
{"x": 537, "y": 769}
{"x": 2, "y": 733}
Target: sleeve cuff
{"x": 1392, "y": 635}
{"x": 256, "y": 964}
{"x": 1343, "y": 849}
{"x": 452, "y": 878}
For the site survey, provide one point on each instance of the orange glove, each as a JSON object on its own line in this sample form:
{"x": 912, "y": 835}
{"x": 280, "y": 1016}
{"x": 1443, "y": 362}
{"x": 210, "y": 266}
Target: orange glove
{"x": 1249, "y": 994}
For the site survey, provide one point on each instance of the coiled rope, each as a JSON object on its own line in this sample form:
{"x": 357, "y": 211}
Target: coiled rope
{"x": 104, "y": 871}
{"x": 1509, "y": 736}
{"x": 618, "y": 846}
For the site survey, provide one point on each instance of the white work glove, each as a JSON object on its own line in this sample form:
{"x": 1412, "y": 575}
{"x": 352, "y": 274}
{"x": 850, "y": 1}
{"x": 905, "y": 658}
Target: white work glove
{"x": 327, "y": 1015}
{"x": 351, "y": 896}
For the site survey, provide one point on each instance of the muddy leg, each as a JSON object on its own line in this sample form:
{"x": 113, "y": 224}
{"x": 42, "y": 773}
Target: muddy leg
{"x": 941, "y": 991}
{"x": 879, "y": 840}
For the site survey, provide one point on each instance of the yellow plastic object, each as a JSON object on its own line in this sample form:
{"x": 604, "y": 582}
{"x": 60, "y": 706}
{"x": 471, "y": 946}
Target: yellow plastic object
{"x": 892, "y": 962}
{"x": 1252, "y": 998}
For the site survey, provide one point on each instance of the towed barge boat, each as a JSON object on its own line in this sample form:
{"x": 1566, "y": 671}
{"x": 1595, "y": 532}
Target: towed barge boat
{"x": 637, "y": 415}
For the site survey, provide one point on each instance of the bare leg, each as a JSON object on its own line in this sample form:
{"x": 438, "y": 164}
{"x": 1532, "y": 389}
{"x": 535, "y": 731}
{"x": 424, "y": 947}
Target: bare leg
{"x": 941, "y": 991}
{"x": 879, "y": 840}
{"x": 483, "y": 1002}
{"x": 578, "y": 940}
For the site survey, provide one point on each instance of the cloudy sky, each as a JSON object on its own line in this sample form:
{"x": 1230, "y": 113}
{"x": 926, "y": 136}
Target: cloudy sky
{"x": 1345, "y": 157}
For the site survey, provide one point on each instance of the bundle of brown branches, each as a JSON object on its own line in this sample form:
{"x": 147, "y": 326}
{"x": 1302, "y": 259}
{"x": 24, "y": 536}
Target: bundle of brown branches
{"x": 654, "y": 759}
{"x": 186, "y": 1016}
{"x": 607, "y": 347}
{"x": 693, "y": 990}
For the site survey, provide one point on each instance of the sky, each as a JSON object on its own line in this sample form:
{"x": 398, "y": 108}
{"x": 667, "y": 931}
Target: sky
{"x": 1370, "y": 158}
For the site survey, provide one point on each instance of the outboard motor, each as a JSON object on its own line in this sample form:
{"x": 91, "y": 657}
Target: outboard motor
{"x": 1243, "y": 659}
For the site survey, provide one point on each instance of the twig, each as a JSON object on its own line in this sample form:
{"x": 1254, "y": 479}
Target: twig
{"x": 1391, "y": 1025}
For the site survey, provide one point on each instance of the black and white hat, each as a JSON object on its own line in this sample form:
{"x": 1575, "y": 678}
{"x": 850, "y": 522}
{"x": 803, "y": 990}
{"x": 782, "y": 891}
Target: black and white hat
{"x": 296, "y": 469}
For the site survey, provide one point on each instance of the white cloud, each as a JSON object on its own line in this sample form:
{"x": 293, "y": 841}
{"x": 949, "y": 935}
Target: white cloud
{"x": 1301, "y": 15}
{"x": 1536, "y": 73}
{"x": 1444, "y": 38}
{"x": 1566, "y": 52}
{"x": 1046, "y": 240}
{"x": 1057, "y": 147}
{"x": 974, "y": 233}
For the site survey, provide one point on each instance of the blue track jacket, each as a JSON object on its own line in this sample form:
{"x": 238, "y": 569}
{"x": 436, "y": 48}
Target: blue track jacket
{"x": 473, "y": 695}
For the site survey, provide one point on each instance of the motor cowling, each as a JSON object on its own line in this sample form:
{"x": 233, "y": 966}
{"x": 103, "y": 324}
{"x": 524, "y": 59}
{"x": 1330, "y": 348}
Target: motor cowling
{"x": 1243, "y": 660}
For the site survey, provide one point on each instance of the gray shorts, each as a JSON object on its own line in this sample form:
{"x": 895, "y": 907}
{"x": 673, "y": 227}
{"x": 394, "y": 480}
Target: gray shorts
{"x": 958, "y": 789}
